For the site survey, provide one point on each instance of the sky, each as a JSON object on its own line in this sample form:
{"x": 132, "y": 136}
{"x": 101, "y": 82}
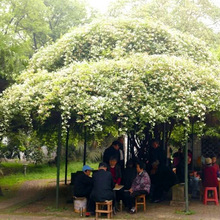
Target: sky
{"x": 100, "y": 4}
{"x": 217, "y": 2}
{"x": 103, "y": 4}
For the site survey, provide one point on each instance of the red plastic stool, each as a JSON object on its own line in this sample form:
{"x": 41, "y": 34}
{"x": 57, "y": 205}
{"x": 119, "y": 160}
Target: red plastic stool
{"x": 214, "y": 198}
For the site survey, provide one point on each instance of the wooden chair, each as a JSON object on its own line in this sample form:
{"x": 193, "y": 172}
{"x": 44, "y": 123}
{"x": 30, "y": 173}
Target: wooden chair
{"x": 104, "y": 207}
{"x": 140, "y": 200}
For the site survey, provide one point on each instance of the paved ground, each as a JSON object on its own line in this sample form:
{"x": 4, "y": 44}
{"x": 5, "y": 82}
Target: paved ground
{"x": 36, "y": 200}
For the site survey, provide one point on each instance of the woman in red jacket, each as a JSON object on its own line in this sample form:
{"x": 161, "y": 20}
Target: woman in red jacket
{"x": 209, "y": 174}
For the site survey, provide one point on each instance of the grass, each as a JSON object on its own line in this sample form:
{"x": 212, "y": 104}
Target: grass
{"x": 52, "y": 209}
{"x": 190, "y": 212}
{"x": 15, "y": 173}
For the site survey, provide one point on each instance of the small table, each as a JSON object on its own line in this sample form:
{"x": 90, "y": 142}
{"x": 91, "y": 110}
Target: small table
{"x": 118, "y": 187}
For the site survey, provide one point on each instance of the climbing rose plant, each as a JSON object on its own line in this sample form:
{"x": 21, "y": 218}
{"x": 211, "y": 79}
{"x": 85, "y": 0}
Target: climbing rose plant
{"x": 115, "y": 74}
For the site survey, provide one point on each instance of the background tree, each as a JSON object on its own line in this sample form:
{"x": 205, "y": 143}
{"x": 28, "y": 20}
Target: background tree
{"x": 199, "y": 18}
{"x": 27, "y": 25}
{"x": 66, "y": 14}
{"x": 12, "y": 60}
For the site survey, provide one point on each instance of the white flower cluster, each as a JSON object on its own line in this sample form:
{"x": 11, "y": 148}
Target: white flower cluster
{"x": 115, "y": 76}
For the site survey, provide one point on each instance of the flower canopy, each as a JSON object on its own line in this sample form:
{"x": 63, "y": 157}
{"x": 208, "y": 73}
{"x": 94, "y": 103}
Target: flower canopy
{"x": 118, "y": 74}
{"x": 114, "y": 38}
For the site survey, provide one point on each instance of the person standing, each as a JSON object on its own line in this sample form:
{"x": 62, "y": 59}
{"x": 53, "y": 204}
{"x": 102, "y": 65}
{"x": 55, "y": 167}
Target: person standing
{"x": 157, "y": 153}
{"x": 121, "y": 152}
{"x": 112, "y": 151}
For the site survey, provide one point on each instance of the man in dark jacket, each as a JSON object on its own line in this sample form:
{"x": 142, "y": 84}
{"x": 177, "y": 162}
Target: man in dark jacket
{"x": 83, "y": 183}
{"x": 157, "y": 153}
{"x": 162, "y": 178}
{"x": 112, "y": 151}
{"x": 128, "y": 176}
{"x": 102, "y": 187}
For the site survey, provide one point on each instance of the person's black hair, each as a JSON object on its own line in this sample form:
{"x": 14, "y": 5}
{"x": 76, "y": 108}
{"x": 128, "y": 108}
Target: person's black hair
{"x": 113, "y": 158}
{"x": 130, "y": 163}
{"x": 141, "y": 164}
{"x": 116, "y": 143}
{"x": 103, "y": 164}
{"x": 155, "y": 140}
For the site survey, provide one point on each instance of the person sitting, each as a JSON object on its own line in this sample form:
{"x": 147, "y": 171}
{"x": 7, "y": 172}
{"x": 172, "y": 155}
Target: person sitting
{"x": 215, "y": 165}
{"x": 128, "y": 175}
{"x": 209, "y": 175}
{"x": 112, "y": 151}
{"x": 102, "y": 187}
{"x": 162, "y": 178}
{"x": 177, "y": 157}
{"x": 140, "y": 185}
{"x": 193, "y": 180}
{"x": 115, "y": 170}
{"x": 83, "y": 183}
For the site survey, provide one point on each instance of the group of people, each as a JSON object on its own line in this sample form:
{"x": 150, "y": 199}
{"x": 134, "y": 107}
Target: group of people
{"x": 101, "y": 186}
{"x": 206, "y": 177}
{"x": 152, "y": 179}
{"x": 134, "y": 178}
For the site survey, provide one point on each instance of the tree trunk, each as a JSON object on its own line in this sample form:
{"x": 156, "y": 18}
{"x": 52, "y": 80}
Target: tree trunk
{"x": 35, "y": 41}
{"x": 1, "y": 193}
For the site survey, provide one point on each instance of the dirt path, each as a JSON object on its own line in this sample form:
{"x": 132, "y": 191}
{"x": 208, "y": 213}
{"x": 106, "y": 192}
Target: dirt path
{"x": 29, "y": 191}
{"x": 36, "y": 200}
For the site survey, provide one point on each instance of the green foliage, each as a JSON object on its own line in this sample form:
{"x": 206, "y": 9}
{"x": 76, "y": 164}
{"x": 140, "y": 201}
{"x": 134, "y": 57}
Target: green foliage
{"x": 27, "y": 25}
{"x": 25, "y": 19}
{"x": 11, "y": 59}
{"x": 37, "y": 20}
{"x": 28, "y": 143}
{"x": 198, "y": 18}
{"x": 114, "y": 38}
{"x": 118, "y": 76}
{"x": 213, "y": 125}
{"x": 140, "y": 89}
{"x": 64, "y": 15}
{"x": 217, "y": 52}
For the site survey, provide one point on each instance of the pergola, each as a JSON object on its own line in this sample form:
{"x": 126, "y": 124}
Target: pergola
{"x": 114, "y": 82}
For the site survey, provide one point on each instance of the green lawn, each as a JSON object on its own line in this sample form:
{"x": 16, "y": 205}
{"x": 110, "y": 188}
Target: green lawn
{"x": 14, "y": 172}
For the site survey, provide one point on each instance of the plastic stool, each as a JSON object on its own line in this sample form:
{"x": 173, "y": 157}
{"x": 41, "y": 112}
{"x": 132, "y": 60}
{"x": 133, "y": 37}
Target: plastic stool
{"x": 214, "y": 198}
{"x": 79, "y": 204}
{"x": 100, "y": 208}
{"x": 140, "y": 200}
